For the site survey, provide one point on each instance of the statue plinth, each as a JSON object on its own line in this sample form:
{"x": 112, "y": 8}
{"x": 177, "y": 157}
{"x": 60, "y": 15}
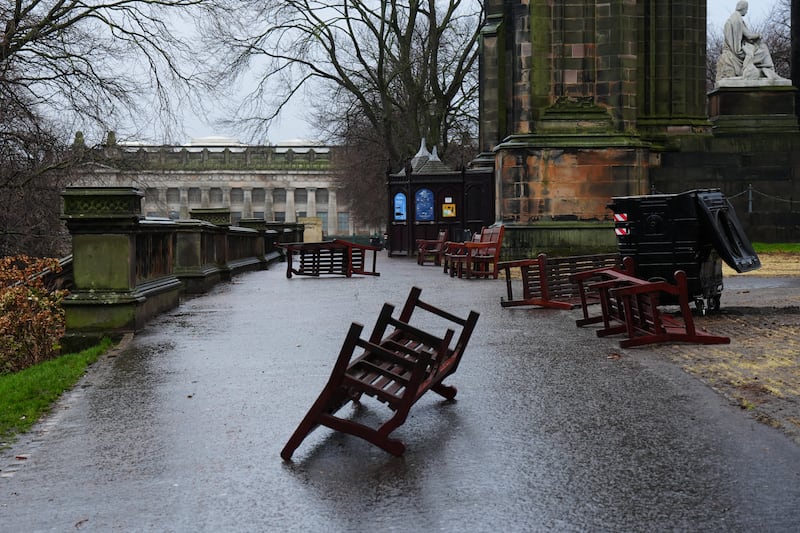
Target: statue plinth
{"x": 738, "y": 105}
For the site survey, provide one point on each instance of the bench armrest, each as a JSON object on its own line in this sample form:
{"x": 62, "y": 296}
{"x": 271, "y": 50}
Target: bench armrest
{"x": 451, "y": 247}
{"x": 587, "y": 274}
{"x": 481, "y": 245}
{"x": 645, "y": 288}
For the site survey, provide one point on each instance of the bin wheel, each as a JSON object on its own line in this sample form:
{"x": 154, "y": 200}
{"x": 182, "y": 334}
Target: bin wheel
{"x": 700, "y": 305}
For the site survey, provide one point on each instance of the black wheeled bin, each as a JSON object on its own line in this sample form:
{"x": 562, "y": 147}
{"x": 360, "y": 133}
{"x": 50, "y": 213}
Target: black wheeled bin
{"x": 693, "y": 231}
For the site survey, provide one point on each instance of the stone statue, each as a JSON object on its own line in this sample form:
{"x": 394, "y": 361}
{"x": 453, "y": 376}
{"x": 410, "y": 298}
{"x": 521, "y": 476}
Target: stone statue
{"x": 744, "y": 55}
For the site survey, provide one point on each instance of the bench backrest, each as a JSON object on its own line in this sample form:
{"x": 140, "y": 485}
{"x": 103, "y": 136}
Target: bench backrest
{"x": 556, "y": 272}
{"x": 493, "y": 236}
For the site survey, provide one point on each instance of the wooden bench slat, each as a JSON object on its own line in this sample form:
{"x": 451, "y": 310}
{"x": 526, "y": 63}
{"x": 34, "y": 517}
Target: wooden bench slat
{"x": 546, "y": 281}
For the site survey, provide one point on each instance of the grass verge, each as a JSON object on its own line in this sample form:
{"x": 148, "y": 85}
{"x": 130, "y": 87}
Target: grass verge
{"x": 777, "y": 248}
{"x": 26, "y": 395}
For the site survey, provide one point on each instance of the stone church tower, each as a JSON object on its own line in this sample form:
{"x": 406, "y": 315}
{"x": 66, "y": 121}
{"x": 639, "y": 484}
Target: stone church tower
{"x": 576, "y": 94}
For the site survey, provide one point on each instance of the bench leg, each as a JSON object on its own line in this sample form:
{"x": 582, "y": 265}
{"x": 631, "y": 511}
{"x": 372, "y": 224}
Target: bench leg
{"x": 332, "y": 397}
{"x": 447, "y": 391}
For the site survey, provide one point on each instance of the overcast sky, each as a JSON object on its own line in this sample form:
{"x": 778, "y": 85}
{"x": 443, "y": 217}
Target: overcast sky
{"x": 293, "y": 126}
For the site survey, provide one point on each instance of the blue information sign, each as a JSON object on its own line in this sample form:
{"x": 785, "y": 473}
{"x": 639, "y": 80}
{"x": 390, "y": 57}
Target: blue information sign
{"x": 423, "y": 201}
{"x": 400, "y": 207}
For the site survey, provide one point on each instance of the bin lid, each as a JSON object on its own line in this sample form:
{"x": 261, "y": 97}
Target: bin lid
{"x": 723, "y": 229}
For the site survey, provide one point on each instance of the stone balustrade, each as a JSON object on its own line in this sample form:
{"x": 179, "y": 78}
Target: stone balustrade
{"x": 128, "y": 268}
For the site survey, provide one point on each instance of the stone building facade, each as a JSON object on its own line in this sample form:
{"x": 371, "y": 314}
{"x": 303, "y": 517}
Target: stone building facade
{"x": 585, "y": 100}
{"x": 281, "y": 183}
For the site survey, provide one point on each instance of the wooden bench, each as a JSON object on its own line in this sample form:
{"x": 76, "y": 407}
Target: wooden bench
{"x": 546, "y": 280}
{"x": 631, "y": 306}
{"x": 431, "y": 249}
{"x": 335, "y": 256}
{"x": 479, "y": 258}
{"x": 592, "y": 291}
{"x": 456, "y": 249}
{"x": 396, "y": 365}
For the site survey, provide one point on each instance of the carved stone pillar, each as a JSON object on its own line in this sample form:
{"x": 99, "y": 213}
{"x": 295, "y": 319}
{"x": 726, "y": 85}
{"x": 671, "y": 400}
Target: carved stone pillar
{"x": 247, "y": 204}
{"x": 269, "y": 214}
{"x": 184, "y": 209}
{"x": 291, "y": 215}
{"x": 311, "y": 202}
{"x": 333, "y": 210}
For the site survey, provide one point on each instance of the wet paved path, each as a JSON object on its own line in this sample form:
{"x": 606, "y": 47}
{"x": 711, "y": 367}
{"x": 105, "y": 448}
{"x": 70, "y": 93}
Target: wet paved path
{"x": 181, "y": 429}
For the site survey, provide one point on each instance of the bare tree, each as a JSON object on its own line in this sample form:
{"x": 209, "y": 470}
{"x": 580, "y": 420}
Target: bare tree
{"x": 777, "y": 33}
{"x": 68, "y": 62}
{"x": 33, "y": 163}
{"x": 399, "y": 66}
{"x": 98, "y": 61}
{"x": 380, "y": 75}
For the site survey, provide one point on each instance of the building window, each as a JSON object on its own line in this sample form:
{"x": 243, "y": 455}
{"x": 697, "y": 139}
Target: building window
{"x": 323, "y": 216}
{"x": 236, "y": 216}
{"x": 280, "y": 216}
{"x": 259, "y": 196}
{"x": 322, "y": 196}
{"x": 258, "y": 214}
{"x": 237, "y": 195}
{"x": 279, "y": 196}
{"x": 302, "y": 214}
{"x": 343, "y": 223}
{"x": 301, "y": 196}
{"x": 215, "y": 197}
{"x": 151, "y": 195}
{"x": 195, "y": 195}
{"x": 173, "y": 195}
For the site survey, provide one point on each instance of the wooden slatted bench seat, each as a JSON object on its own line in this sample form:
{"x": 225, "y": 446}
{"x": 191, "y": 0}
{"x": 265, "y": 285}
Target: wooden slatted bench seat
{"x": 632, "y": 306}
{"x": 335, "y": 257}
{"x": 396, "y": 365}
{"x": 546, "y": 280}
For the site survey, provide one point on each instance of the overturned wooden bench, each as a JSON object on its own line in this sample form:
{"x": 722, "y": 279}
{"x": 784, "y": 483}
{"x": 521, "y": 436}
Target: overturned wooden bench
{"x": 631, "y": 306}
{"x": 396, "y": 365}
{"x": 546, "y": 280}
{"x": 333, "y": 257}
